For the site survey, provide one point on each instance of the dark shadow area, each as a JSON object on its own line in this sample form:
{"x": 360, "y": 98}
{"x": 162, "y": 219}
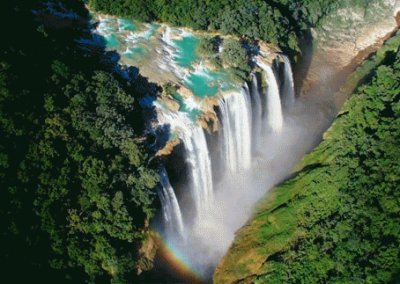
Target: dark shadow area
{"x": 36, "y": 34}
{"x": 301, "y": 69}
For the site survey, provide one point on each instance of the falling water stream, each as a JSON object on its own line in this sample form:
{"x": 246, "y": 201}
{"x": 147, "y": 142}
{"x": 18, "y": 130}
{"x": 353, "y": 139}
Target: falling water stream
{"x": 224, "y": 193}
{"x": 273, "y": 101}
{"x": 264, "y": 131}
{"x": 289, "y": 98}
{"x": 236, "y": 128}
{"x": 172, "y": 212}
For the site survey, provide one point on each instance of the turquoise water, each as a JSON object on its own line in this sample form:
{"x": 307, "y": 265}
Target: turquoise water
{"x": 187, "y": 47}
{"x": 127, "y": 25}
{"x": 153, "y": 29}
{"x": 207, "y": 83}
{"x": 201, "y": 86}
{"x": 193, "y": 113}
{"x": 135, "y": 53}
{"x": 112, "y": 41}
{"x": 202, "y": 82}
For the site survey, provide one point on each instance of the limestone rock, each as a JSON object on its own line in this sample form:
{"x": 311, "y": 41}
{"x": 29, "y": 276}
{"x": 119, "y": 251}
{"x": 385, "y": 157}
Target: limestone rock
{"x": 168, "y": 148}
{"x": 185, "y": 92}
{"x": 209, "y": 121}
{"x": 170, "y": 103}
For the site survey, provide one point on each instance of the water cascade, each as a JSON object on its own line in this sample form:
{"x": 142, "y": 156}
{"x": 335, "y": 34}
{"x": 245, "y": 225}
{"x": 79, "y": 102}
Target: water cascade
{"x": 198, "y": 158}
{"x": 221, "y": 192}
{"x": 288, "y": 91}
{"x": 200, "y": 218}
{"x": 170, "y": 206}
{"x": 273, "y": 101}
{"x": 236, "y": 128}
{"x": 257, "y": 112}
{"x": 197, "y": 155}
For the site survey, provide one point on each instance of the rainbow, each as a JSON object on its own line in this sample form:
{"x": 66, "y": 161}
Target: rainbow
{"x": 177, "y": 265}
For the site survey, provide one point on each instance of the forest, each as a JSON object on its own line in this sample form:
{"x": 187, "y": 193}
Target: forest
{"x": 77, "y": 181}
{"x": 76, "y": 186}
{"x": 278, "y": 22}
{"x": 281, "y": 22}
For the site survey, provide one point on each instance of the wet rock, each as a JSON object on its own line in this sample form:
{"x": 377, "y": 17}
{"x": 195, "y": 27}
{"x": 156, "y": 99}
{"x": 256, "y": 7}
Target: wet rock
{"x": 147, "y": 252}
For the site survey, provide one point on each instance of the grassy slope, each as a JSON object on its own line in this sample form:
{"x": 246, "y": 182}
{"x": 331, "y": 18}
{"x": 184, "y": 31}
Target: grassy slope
{"x": 301, "y": 231}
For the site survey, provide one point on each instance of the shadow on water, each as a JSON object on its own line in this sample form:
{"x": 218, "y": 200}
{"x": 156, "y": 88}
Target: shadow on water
{"x": 145, "y": 92}
{"x": 154, "y": 138}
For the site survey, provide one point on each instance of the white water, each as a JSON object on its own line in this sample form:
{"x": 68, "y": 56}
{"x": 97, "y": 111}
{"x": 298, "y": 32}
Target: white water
{"x": 198, "y": 158}
{"x": 236, "y": 128}
{"x": 169, "y": 49}
{"x": 170, "y": 206}
{"x": 288, "y": 92}
{"x": 258, "y": 149}
{"x": 274, "y": 115}
{"x": 257, "y": 113}
{"x": 134, "y": 37}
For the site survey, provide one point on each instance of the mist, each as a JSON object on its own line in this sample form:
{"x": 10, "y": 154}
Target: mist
{"x": 276, "y": 147}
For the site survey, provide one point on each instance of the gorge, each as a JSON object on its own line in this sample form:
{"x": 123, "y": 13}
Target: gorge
{"x": 196, "y": 141}
{"x": 238, "y": 139}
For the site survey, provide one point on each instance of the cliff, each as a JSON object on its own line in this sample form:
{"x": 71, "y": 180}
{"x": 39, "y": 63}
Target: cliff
{"x": 343, "y": 39}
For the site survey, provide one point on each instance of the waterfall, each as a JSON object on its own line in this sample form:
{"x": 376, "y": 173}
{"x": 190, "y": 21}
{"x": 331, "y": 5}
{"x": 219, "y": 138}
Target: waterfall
{"x": 249, "y": 118}
{"x": 257, "y": 112}
{"x": 273, "y": 101}
{"x": 197, "y": 155}
{"x": 170, "y": 206}
{"x": 236, "y": 128}
{"x": 288, "y": 87}
{"x": 246, "y": 134}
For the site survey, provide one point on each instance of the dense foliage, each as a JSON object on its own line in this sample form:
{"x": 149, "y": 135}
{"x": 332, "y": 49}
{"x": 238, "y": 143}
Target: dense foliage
{"x": 254, "y": 18}
{"x": 337, "y": 221}
{"x": 231, "y": 54}
{"x": 76, "y": 190}
{"x": 277, "y": 21}
{"x": 354, "y": 235}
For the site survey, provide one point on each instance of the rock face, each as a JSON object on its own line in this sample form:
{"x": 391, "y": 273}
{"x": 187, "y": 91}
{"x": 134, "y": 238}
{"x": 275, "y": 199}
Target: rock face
{"x": 169, "y": 102}
{"x": 168, "y": 148}
{"x": 147, "y": 252}
{"x": 209, "y": 121}
{"x": 346, "y": 37}
{"x": 350, "y": 30}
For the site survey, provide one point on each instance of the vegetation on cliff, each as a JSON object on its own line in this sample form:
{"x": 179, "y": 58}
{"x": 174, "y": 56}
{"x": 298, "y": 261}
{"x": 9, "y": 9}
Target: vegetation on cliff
{"x": 280, "y": 22}
{"x": 254, "y": 18}
{"x": 336, "y": 221}
{"x": 76, "y": 190}
{"x": 76, "y": 186}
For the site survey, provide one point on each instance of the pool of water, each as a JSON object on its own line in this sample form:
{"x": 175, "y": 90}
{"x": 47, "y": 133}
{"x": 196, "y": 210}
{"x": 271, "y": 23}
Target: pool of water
{"x": 134, "y": 41}
{"x": 186, "y": 50}
{"x": 205, "y": 83}
{"x": 112, "y": 41}
{"x": 127, "y": 25}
